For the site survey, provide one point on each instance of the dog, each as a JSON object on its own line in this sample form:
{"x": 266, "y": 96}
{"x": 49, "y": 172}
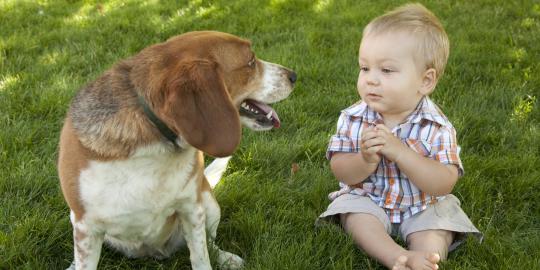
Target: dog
{"x": 131, "y": 162}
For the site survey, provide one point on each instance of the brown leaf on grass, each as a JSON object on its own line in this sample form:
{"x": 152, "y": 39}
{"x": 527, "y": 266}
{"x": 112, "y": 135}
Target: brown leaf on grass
{"x": 294, "y": 168}
{"x": 99, "y": 8}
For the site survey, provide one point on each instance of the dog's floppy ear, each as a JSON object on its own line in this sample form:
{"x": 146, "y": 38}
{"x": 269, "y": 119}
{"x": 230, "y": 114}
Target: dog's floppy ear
{"x": 197, "y": 106}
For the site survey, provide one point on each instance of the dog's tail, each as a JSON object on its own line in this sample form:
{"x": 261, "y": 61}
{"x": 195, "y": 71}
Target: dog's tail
{"x": 215, "y": 170}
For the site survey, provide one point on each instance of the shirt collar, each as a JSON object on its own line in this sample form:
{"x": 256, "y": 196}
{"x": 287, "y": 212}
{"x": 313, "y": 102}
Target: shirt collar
{"x": 425, "y": 110}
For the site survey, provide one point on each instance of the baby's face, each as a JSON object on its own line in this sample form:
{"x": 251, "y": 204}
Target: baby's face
{"x": 390, "y": 80}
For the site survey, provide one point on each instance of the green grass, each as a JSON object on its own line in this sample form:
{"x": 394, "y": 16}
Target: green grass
{"x": 491, "y": 92}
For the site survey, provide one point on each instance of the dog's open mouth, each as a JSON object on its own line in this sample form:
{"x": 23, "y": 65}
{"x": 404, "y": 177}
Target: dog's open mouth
{"x": 263, "y": 114}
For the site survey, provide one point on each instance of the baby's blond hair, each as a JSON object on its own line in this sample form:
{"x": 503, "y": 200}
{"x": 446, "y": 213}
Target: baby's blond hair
{"x": 417, "y": 20}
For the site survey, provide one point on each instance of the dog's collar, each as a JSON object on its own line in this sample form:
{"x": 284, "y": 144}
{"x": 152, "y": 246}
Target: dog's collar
{"x": 162, "y": 127}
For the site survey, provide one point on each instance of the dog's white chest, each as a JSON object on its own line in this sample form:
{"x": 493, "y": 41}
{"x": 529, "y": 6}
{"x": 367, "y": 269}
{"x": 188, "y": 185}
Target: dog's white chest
{"x": 131, "y": 199}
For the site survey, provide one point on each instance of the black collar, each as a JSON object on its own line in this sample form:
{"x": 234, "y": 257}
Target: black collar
{"x": 162, "y": 127}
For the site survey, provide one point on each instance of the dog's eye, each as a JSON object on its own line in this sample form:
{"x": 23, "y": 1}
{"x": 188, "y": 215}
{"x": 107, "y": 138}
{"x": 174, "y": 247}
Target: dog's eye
{"x": 251, "y": 62}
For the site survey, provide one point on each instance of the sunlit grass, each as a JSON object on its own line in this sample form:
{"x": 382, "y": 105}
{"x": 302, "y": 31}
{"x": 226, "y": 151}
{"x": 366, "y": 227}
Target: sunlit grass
{"x": 523, "y": 108}
{"x": 8, "y": 81}
{"x": 321, "y": 5}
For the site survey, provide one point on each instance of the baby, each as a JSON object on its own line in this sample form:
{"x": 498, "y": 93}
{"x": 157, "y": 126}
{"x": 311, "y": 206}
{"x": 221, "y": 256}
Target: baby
{"x": 395, "y": 153}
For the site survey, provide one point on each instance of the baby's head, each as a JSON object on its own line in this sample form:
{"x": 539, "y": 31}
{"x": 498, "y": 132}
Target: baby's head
{"x": 402, "y": 55}
{"x": 418, "y": 22}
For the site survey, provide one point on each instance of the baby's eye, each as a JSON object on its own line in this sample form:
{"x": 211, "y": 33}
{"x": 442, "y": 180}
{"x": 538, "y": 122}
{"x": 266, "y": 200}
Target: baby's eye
{"x": 364, "y": 69}
{"x": 387, "y": 70}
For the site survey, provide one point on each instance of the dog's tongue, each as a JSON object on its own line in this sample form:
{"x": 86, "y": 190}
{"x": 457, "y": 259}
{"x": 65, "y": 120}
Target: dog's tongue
{"x": 266, "y": 109}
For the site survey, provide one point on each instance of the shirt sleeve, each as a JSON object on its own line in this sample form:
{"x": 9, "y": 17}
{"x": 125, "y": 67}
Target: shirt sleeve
{"x": 445, "y": 149}
{"x": 342, "y": 141}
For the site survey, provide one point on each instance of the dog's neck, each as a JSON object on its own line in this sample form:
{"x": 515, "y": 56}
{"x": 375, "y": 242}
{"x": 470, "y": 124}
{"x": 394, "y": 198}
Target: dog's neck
{"x": 160, "y": 125}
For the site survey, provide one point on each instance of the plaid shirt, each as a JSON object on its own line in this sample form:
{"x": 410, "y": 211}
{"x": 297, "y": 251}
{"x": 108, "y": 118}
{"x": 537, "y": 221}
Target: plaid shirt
{"x": 426, "y": 130}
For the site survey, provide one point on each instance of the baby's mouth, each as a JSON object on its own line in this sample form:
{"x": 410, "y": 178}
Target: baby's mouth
{"x": 372, "y": 95}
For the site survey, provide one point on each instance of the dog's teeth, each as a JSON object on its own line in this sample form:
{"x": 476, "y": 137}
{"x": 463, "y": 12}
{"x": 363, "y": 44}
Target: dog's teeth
{"x": 269, "y": 115}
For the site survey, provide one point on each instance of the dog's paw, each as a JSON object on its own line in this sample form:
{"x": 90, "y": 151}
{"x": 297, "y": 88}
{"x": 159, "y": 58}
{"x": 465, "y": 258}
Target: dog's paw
{"x": 227, "y": 260}
{"x": 72, "y": 266}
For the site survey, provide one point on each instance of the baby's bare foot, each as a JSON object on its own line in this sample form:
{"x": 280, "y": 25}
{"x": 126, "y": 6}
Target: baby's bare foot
{"x": 417, "y": 260}
{"x": 401, "y": 264}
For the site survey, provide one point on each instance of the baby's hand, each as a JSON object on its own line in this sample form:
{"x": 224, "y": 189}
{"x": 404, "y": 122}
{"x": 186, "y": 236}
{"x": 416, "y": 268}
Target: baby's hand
{"x": 371, "y": 145}
{"x": 391, "y": 146}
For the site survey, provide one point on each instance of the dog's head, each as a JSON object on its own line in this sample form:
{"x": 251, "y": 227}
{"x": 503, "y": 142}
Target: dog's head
{"x": 204, "y": 84}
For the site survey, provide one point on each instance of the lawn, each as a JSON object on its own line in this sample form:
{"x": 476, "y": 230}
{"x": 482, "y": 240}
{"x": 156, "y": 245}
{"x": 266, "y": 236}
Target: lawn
{"x": 490, "y": 91}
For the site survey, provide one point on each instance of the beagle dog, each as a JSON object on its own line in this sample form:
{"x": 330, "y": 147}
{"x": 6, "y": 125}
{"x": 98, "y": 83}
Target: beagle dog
{"x": 131, "y": 149}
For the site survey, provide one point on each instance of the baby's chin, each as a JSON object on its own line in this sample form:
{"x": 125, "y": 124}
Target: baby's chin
{"x": 376, "y": 106}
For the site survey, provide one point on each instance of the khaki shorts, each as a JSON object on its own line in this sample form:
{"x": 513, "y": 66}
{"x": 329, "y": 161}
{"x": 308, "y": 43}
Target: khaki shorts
{"x": 446, "y": 215}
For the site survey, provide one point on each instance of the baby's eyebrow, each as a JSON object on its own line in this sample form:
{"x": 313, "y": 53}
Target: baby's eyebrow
{"x": 383, "y": 60}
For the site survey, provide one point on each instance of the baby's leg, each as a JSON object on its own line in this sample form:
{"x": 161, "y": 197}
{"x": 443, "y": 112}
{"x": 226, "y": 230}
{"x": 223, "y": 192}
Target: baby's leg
{"x": 433, "y": 241}
{"x": 370, "y": 235}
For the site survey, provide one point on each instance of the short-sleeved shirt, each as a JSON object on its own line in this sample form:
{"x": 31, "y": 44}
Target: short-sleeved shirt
{"x": 426, "y": 130}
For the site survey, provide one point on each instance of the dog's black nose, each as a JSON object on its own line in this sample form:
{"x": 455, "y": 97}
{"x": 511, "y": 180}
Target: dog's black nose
{"x": 292, "y": 77}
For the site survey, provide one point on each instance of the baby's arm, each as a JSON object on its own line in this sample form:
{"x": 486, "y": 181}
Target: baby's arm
{"x": 353, "y": 168}
{"x": 421, "y": 170}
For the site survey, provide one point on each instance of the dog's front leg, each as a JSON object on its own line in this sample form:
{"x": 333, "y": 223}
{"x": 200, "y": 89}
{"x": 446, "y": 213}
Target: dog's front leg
{"x": 225, "y": 260}
{"x": 87, "y": 247}
{"x": 193, "y": 227}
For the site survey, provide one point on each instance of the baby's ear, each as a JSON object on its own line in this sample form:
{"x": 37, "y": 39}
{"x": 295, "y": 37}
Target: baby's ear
{"x": 429, "y": 81}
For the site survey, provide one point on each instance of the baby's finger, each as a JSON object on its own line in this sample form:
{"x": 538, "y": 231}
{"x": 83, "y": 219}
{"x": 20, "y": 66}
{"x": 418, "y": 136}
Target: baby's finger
{"x": 368, "y": 134}
{"x": 373, "y": 142}
{"x": 375, "y": 149}
{"x": 383, "y": 127}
